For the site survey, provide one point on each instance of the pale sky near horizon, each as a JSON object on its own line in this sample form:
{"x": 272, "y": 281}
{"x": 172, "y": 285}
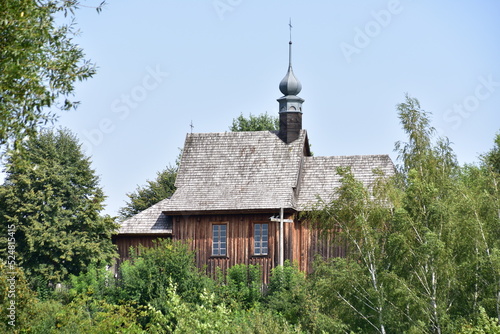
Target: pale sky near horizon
{"x": 163, "y": 64}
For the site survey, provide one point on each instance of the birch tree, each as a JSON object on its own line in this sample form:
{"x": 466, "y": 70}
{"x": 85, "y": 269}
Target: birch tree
{"x": 423, "y": 249}
{"x": 360, "y": 281}
{"x": 426, "y": 228}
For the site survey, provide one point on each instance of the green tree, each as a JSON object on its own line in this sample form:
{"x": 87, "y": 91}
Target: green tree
{"x": 492, "y": 158}
{"x": 51, "y": 197}
{"x": 360, "y": 282}
{"x": 39, "y": 65}
{"x": 425, "y": 230}
{"x": 262, "y": 122}
{"x": 145, "y": 196}
{"x": 476, "y": 211}
{"x": 422, "y": 248}
{"x": 483, "y": 325}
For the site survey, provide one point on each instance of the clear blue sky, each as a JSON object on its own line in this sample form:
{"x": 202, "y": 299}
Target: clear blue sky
{"x": 163, "y": 64}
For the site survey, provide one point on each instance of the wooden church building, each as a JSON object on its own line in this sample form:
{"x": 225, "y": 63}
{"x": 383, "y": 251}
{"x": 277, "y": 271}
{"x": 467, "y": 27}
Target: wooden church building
{"x": 239, "y": 194}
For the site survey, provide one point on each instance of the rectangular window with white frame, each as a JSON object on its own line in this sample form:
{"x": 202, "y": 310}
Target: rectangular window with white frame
{"x": 260, "y": 236}
{"x": 219, "y": 240}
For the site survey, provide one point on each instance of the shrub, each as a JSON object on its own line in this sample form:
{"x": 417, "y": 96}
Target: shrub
{"x": 82, "y": 315}
{"x": 483, "y": 325}
{"x": 97, "y": 282}
{"x": 213, "y": 317}
{"x": 16, "y": 297}
{"x": 146, "y": 277}
{"x": 243, "y": 285}
{"x": 290, "y": 296}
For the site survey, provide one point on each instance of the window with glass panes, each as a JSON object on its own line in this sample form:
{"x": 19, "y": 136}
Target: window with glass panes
{"x": 219, "y": 245}
{"x": 260, "y": 235}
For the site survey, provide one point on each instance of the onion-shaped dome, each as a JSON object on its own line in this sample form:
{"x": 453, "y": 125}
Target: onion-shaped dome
{"x": 290, "y": 85}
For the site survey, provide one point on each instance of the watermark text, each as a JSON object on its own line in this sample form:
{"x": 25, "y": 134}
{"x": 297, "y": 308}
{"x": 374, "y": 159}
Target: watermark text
{"x": 465, "y": 108}
{"x": 11, "y": 275}
{"x": 373, "y": 28}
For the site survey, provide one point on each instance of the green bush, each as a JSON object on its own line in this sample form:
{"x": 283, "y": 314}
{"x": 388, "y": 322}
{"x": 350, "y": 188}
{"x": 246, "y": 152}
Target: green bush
{"x": 146, "y": 277}
{"x": 211, "y": 316}
{"x": 287, "y": 294}
{"x": 97, "y": 282}
{"x": 483, "y": 325}
{"x": 290, "y": 296}
{"x": 260, "y": 321}
{"x": 82, "y": 315}
{"x": 242, "y": 286}
{"x": 16, "y": 297}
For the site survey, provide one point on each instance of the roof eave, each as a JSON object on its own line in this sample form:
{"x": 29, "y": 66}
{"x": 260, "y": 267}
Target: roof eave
{"x": 228, "y": 212}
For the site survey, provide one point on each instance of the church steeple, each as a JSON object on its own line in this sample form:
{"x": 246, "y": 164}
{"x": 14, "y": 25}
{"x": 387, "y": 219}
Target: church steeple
{"x": 290, "y": 105}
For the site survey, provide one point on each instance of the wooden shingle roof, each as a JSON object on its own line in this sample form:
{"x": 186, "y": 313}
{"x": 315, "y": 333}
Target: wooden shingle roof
{"x": 237, "y": 171}
{"x": 150, "y": 221}
{"x": 320, "y": 178}
{"x": 242, "y": 172}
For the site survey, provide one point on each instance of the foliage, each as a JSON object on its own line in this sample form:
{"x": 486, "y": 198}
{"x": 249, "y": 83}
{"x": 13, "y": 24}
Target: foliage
{"x": 262, "y": 122}
{"x": 39, "y": 65}
{"x": 211, "y": 317}
{"x": 52, "y": 198}
{"x": 82, "y": 315}
{"x": 492, "y": 158}
{"x": 423, "y": 227}
{"x": 359, "y": 283}
{"x": 206, "y": 317}
{"x": 16, "y": 297}
{"x": 147, "y": 276}
{"x": 259, "y": 321}
{"x": 484, "y": 325}
{"x": 96, "y": 282}
{"x": 290, "y": 296}
{"x": 423, "y": 246}
{"x": 242, "y": 287}
{"x": 145, "y": 196}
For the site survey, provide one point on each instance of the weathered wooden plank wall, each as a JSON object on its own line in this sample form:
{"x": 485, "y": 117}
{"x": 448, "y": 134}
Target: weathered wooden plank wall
{"x": 308, "y": 243}
{"x": 301, "y": 242}
{"x": 124, "y": 242}
{"x": 198, "y": 229}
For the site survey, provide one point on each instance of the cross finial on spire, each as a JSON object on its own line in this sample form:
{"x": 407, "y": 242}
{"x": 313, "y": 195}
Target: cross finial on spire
{"x": 290, "y": 44}
{"x": 192, "y": 126}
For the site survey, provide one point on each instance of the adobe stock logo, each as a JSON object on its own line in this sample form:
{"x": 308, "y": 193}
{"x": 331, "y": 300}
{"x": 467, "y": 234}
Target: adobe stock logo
{"x": 372, "y": 29}
{"x": 122, "y": 107}
{"x": 471, "y": 103}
